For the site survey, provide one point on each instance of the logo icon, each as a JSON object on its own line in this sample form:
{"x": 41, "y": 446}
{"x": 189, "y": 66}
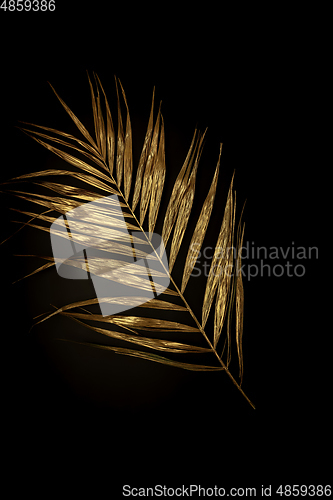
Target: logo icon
{"x": 94, "y": 241}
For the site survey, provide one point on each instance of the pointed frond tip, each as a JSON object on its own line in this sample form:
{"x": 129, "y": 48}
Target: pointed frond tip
{"x": 149, "y": 356}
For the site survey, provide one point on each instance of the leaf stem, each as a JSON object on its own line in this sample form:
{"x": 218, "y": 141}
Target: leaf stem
{"x": 211, "y": 345}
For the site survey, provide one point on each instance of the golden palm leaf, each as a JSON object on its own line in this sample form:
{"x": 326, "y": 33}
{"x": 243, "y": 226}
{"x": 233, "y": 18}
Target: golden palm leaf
{"x": 106, "y": 164}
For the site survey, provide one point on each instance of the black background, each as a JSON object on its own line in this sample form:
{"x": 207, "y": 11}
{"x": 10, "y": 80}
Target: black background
{"x": 125, "y": 420}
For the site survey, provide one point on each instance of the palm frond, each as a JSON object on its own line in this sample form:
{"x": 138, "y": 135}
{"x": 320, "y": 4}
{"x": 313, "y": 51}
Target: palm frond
{"x": 104, "y": 154}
